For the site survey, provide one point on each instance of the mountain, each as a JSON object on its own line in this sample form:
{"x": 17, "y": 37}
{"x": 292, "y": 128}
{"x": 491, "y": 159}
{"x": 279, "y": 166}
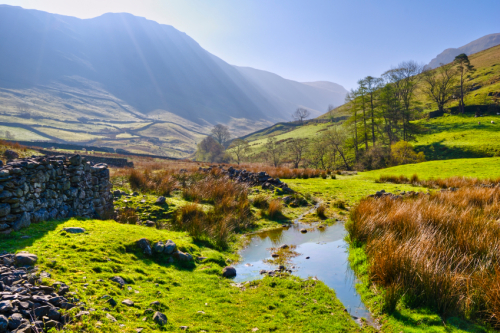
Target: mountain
{"x": 475, "y": 46}
{"x": 119, "y": 68}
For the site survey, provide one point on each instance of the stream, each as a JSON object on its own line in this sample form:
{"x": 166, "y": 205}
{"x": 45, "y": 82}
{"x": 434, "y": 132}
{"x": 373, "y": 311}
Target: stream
{"x": 328, "y": 260}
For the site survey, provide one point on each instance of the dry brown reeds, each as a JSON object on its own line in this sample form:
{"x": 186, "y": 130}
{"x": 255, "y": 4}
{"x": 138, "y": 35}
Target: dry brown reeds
{"x": 160, "y": 182}
{"x": 440, "y": 250}
{"x": 127, "y": 216}
{"x": 282, "y": 172}
{"x": 321, "y": 211}
{"x": 452, "y": 182}
{"x": 275, "y": 209}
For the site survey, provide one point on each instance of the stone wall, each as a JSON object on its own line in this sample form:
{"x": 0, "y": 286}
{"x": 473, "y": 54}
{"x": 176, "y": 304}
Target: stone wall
{"x": 111, "y": 161}
{"x": 37, "y": 189}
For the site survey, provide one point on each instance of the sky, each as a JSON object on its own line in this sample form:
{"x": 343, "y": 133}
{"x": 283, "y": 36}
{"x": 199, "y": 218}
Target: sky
{"x": 308, "y": 40}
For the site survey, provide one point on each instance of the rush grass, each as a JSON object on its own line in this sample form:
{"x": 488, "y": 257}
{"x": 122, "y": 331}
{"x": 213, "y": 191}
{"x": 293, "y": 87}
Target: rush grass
{"x": 193, "y": 295}
{"x": 440, "y": 251}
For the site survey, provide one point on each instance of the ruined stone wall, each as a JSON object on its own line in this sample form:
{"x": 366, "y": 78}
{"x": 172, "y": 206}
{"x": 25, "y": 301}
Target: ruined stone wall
{"x": 37, "y": 189}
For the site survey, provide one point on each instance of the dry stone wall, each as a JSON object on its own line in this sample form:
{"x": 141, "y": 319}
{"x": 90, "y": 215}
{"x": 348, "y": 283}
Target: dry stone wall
{"x": 37, "y": 189}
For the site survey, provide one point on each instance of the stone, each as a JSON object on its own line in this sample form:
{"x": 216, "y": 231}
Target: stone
{"x": 158, "y": 247}
{"x": 4, "y": 209}
{"x": 181, "y": 256}
{"x": 150, "y": 224}
{"x": 3, "y": 226}
{"x": 15, "y": 320}
{"x": 184, "y": 328}
{"x": 304, "y": 231}
{"x": 161, "y": 200}
{"x": 143, "y": 244}
{"x": 4, "y": 323}
{"x": 229, "y": 272}
{"x": 75, "y": 160}
{"x": 25, "y": 259}
{"x": 10, "y": 154}
{"x": 42, "y": 311}
{"x": 23, "y": 221}
{"x": 118, "y": 279}
{"x": 112, "y": 302}
{"x": 160, "y": 318}
{"x": 170, "y": 247}
{"x": 128, "y": 302}
{"x": 5, "y": 306}
{"x": 111, "y": 318}
{"x": 74, "y": 230}
{"x": 284, "y": 246}
{"x": 24, "y": 328}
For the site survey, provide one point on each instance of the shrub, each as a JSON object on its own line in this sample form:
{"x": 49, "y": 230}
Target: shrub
{"x": 261, "y": 201}
{"x": 323, "y": 175}
{"x": 321, "y": 211}
{"x": 340, "y": 204}
{"x": 127, "y": 216}
{"x": 402, "y": 153}
{"x": 274, "y": 210}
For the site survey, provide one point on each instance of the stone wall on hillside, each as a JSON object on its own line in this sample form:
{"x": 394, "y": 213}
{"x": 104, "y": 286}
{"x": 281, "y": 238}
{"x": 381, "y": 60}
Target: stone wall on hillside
{"x": 111, "y": 161}
{"x": 37, "y": 189}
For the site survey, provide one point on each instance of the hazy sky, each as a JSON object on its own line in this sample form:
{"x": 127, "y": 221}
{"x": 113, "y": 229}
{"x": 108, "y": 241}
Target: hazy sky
{"x": 308, "y": 40}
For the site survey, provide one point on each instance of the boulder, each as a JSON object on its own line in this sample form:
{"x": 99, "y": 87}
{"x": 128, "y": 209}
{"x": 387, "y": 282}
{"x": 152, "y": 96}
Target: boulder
{"x": 10, "y": 154}
{"x": 158, "y": 247}
{"x": 304, "y": 231}
{"x": 150, "y": 224}
{"x": 111, "y": 318}
{"x": 160, "y": 200}
{"x": 181, "y": 256}
{"x": 144, "y": 245}
{"x": 160, "y": 318}
{"x": 128, "y": 302}
{"x": 15, "y": 321}
{"x": 74, "y": 230}
{"x": 118, "y": 279}
{"x": 22, "y": 222}
{"x": 229, "y": 272}
{"x": 75, "y": 160}
{"x": 25, "y": 259}
{"x": 4, "y": 323}
{"x": 170, "y": 247}
{"x": 4, "y": 209}
{"x": 5, "y": 306}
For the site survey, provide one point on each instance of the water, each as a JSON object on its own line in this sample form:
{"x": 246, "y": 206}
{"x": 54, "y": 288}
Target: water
{"x": 328, "y": 260}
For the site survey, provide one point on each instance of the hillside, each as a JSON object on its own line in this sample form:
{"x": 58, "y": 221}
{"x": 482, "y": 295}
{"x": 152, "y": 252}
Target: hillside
{"x": 123, "y": 81}
{"x": 452, "y": 136}
{"x": 475, "y": 46}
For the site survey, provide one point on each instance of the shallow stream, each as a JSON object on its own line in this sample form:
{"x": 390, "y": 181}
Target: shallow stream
{"x": 327, "y": 252}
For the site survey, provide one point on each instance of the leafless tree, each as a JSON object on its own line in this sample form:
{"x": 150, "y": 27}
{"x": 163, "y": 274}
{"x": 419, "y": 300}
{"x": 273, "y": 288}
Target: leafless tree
{"x": 337, "y": 138}
{"x": 297, "y": 147}
{"x": 330, "y": 110}
{"x": 300, "y": 114}
{"x": 239, "y": 149}
{"x": 439, "y": 84}
{"x": 221, "y": 134}
{"x": 274, "y": 151}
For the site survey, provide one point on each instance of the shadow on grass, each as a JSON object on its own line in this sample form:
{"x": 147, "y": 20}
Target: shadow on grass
{"x": 440, "y": 151}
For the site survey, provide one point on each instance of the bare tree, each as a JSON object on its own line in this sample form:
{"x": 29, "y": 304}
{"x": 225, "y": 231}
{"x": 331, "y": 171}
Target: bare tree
{"x": 337, "y": 138}
{"x": 439, "y": 84}
{"x": 297, "y": 147}
{"x": 221, "y": 134}
{"x": 274, "y": 151}
{"x": 239, "y": 149}
{"x": 300, "y": 114}
{"x": 317, "y": 152}
{"x": 330, "y": 110}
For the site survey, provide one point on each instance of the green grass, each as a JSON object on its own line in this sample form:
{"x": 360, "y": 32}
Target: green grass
{"x": 107, "y": 249}
{"x": 459, "y": 136}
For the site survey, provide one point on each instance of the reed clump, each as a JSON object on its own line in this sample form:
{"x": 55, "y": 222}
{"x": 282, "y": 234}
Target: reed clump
{"x": 321, "y": 211}
{"x": 275, "y": 209}
{"x": 452, "y": 182}
{"x": 440, "y": 251}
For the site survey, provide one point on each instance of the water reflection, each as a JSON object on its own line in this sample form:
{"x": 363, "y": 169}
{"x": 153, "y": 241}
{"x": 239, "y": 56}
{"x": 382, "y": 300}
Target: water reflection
{"x": 327, "y": 252}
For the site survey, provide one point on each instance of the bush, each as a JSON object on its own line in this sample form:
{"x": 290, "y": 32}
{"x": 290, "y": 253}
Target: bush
{"x": 402, "y": 153}
{"x": 323, "y": 175}
{"x": 261, "y": 201}
{"x": 340, "y": 204}
{"x": 321, "y": 211}
{"x": 376, "y": 158}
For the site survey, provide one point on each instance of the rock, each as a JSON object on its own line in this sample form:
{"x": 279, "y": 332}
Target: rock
{"x": 15, "y": 321}
{"x": 4, "y": 323}
{"x": 229, "y": 271}
{"x": 184, "y": 328}
{"x": 74, "y": 230}
{"x": 4, "y": 209}
{"x": 118, "y": 279}
{"x": 25, "y": 259}
{"x": 42, "y": 311}
{"x": 158, "y": 247}
{"x": 304, "y": 231}
{"x": 117, "y": 193}
{"x": 284, "y": 246}
{"x": 275, "y": 255}
{"x": 111, "y": 318}
{"x": 308, "y": 257}
{"x": 160, "y": 318}
{"x": 181, "y": 256}
{"x": 75, "y": 160}
{"x": 161, "y": 200}
{"x": 24, "y": 328}
{"x": 112, "y": 302}
{"x": 143, "y": 244}
{"x": 23, "y": 221}
{"x": 150, "y": 224}
{"x": 170, "y": 247}
{"x": 10, "y": 154}
{"x": 5, "y": 306}
{"x": 128, "y": 302}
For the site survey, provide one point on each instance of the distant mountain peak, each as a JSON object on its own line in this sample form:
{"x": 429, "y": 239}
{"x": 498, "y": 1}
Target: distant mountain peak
{"x": 475, "y": 46}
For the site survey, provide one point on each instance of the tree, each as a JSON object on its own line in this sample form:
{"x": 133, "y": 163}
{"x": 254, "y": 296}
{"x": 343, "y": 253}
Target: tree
{"x": 337, "y": 138}
{"x": 209, "y": 150}
{"x": 373, "y": 84}
{"x": 300, "y": 114}
{"x": 221, "y": 134}
{"x": 362, "y": 96}
{"x": 402, "y": 153}
{"x": 464, "y": 69}
{"x": 350, "y": 101}
{"x": 274, "y": 151}
{"x": 330, "y": 110}
{"x": 297, "y": 147}
{"x": 239, "y": 148}
{"x": 439, "y": 84}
